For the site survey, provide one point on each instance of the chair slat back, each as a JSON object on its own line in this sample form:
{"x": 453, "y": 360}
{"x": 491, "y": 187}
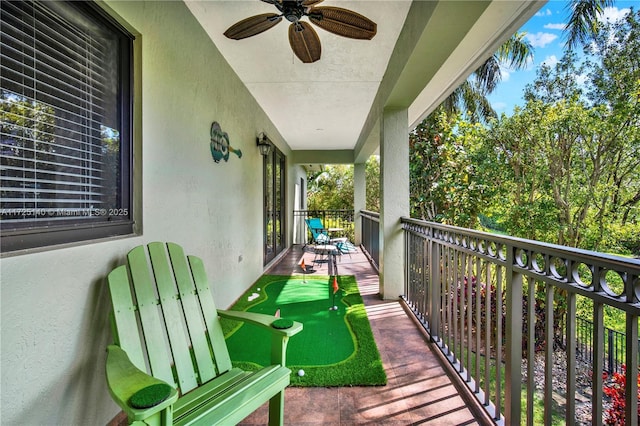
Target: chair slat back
{"x": 193, "y": 313}
{"x": 169, "y": 301}
{"x": 124, "y": 316}
{"x": 165, "y": 316}
{"x": 220, "y": 352}
{"x": 152, "y": 325}
{"x": 315, "y": 226}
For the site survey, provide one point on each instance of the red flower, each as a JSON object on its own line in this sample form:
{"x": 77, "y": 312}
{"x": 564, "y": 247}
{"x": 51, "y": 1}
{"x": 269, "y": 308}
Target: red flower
{"x": 615, "y": 391}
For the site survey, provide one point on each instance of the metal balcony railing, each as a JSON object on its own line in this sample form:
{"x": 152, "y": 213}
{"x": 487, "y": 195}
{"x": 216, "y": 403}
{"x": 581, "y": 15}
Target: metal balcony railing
{"x": 371, "y": 236}
{"x": 503, "y": 312}
{"x": 339, "y": 219}
{"x": 615, "y": 344}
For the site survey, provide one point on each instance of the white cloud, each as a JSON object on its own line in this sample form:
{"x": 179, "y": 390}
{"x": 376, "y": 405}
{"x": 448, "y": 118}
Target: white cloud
{"x": 540, "y": 39}
{"x": 546, "y": 12}
{"x": 504, "y": 74}
{"x": 581, "y": 79}
{"x": 499, "y": 106}
{"x": 613, "y": 14}
{"x": 550, "y": 61}
{"x": 560, "y": 27}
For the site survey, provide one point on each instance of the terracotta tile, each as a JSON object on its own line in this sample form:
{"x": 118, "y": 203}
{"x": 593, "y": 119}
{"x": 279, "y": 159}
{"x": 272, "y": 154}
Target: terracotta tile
{"x": 377, "y": 405}
{"x": 312, "y": 406}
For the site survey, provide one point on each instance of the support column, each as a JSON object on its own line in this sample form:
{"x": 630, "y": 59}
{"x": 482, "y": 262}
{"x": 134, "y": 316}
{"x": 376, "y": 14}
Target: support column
{"x": 359, "y": 197}
{"x": 394, "y": 199}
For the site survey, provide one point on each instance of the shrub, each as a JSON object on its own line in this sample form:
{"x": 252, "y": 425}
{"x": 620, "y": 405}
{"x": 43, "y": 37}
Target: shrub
{"x": 615, "y": 390}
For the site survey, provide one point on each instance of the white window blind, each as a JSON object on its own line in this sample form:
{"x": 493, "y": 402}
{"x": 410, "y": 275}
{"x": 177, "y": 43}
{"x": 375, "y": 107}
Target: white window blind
{"x": 64, "y": 141}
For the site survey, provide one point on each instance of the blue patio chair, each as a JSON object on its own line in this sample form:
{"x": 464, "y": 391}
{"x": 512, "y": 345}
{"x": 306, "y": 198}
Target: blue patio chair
{"x": 320, "y": 235}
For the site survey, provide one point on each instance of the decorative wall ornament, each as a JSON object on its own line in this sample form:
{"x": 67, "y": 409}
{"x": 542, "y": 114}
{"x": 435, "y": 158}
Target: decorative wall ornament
{"x": 219, "y": 145}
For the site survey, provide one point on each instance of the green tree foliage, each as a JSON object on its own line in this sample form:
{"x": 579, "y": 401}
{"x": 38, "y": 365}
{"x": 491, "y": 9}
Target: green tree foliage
{"x": 572, "y": 151}
{"x": 448, "y": 178}
{"x": 565, "y": 168}
{"x": 372, "y": 171}
{"x": 616, "y": 87}
{"x": 331, "y": 188}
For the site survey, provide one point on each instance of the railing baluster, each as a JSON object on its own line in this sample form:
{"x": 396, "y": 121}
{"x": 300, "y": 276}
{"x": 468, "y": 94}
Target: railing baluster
{"x": 548, "y": 356}
{"x": 488, "y": 339}
{"x": 478, "y": 328}
{"x": 513, "y": 368}
{"x": 469, "y": 315}
{"x": 460, "y": 299}
{"x": 570, "y": 417}
{"x": 454, "y": 295}
{"x": 444, "y": 293}
{"x": 531, "y": 347}
{"x": 631, "y": 386}
{"x": 425, "y": 281}
{"x": 447, "y": 294}
{"x": 598, "y": 363}
{"x": 434, "y": 288}
{"x": 409, "y": 255}
{"x": 610, "y": 351}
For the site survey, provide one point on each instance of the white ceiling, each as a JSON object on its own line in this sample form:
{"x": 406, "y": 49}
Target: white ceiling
{"x": 323, "y": 104}
{"x": 329, "y": 104}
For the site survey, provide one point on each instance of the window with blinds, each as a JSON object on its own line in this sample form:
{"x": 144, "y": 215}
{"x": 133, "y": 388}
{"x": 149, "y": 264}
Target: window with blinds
{"x": 65, "y": 136}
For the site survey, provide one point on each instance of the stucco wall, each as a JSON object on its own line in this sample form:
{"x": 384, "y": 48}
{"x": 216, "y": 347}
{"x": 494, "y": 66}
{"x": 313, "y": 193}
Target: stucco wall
{"x": 54, "y": 319}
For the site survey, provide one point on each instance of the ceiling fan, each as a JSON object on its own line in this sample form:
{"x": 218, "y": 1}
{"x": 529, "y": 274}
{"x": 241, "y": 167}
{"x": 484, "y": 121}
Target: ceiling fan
{"x": 303, "y": 39}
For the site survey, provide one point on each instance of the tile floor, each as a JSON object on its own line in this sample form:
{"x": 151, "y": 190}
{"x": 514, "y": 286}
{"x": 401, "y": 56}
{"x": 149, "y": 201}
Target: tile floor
{"x": 418, "y": 389}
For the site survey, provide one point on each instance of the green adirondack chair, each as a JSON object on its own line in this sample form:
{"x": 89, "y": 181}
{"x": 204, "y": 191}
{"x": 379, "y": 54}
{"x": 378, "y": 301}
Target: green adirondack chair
{"x": 170, "y": 364}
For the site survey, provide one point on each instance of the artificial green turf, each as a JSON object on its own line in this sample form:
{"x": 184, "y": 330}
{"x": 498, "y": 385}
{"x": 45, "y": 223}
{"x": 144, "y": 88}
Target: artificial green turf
{"x": 335, "y": 348}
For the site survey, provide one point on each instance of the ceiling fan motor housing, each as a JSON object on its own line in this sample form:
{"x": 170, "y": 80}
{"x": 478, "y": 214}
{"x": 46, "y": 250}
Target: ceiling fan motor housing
{"x": 292, "y": 10}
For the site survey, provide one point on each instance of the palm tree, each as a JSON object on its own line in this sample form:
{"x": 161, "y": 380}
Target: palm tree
{"x": 515, "y": 53}
{"x": 471, "y": 96}
{"x": 583, "y": 20}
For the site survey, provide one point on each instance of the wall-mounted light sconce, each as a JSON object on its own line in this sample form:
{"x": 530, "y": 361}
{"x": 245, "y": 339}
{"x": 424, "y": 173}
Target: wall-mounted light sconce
{"x": 264, "y": 144}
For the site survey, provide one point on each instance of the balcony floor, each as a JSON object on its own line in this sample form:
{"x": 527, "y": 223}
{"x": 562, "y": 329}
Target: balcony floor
{"x": 418, "y": 390}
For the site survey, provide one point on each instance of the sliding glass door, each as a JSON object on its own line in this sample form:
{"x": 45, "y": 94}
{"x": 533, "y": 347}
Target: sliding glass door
{"x": 274, "y": 204}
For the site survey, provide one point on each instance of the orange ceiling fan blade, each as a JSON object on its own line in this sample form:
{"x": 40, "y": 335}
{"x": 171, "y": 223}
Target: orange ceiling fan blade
{"x": 343, "y": 22}
{"x": 253, "y": 25}
{"x": 304, "y": 42}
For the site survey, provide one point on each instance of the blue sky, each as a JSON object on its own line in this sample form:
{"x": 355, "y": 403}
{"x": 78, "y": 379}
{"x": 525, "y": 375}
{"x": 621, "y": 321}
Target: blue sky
{"x": 545, "y": 33}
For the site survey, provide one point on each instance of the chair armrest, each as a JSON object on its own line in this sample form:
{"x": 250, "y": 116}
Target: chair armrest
{"x": 261, "y": 320}
{"x": 125, "y": 379}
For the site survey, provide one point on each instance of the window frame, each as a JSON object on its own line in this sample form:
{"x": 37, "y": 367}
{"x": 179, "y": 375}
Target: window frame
{"x": 16, "y": 237}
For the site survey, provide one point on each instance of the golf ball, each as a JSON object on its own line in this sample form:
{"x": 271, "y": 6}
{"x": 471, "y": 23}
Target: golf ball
{"x": 300, "y": 373}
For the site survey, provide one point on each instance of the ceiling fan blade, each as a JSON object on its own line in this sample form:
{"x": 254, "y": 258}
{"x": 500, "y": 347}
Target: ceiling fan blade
{"x": 343, "y": 22}
{"x": 253, "y": 25}
{"x": 305, "y": 42}
{"x": 309, "y": 3}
